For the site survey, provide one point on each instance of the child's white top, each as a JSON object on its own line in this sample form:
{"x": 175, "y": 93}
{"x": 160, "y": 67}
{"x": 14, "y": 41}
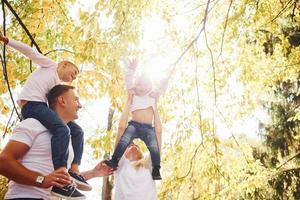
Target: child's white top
{"x": 42, "y": 80}
{"x": 142, "y": 102}
{"x": 132, "y": 184}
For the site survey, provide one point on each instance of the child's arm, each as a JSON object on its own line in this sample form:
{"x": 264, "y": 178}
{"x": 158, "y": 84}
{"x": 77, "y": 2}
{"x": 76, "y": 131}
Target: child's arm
{"x": 131, "y": 66}
{"x": 124, "y": 119}
{"x": 157, "y": 125}
{"x": 29, "y": 52}
{"x": 161, "y": 88}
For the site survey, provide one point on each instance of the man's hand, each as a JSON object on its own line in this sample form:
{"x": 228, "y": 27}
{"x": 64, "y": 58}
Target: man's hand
{"x": 3, "y": 38}
{"x": 102, "y": 169}
{"x": 59, "y": 178}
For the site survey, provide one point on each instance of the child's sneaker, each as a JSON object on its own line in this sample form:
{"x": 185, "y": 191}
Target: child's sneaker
{"x": 67, "y": 192}
{"x": 80, "y": 181}
{"x": 156, "y": 173}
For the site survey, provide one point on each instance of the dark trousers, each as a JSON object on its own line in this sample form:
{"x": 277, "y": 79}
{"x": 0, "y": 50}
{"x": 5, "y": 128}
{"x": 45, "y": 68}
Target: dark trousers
{"x": 144, "y": 132}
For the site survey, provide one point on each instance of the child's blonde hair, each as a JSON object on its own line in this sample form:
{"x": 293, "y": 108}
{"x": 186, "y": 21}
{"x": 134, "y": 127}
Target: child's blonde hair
{"x": 69, "y": 63}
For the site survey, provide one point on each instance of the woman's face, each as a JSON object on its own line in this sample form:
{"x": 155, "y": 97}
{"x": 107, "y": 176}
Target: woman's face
{"x": 134, "y": 151}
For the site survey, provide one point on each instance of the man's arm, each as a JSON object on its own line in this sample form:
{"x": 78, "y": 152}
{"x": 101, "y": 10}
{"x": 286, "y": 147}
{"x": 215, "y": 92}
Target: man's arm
{"x": 101, "y": 169}
{"x": 29, "y": 52}
{"x": 157, "y": 125}
{"x": 12, "y": 169}
{"x": 124, "y": 118}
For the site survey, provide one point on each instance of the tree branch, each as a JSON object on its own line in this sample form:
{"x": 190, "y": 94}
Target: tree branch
{"x": 3, "y": 62}
{"x": 194, "y": 40}
{"x": 280, "y": 13}
{"x": 225, "y": 27}
{"x": 22, "y": 24}
{"x": 6, "y": 127}
{"x": 291, "y": 158}
{"x": 66, "y": 50}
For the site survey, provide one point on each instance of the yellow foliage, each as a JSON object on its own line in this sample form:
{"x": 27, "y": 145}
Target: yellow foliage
{"x": 198, "y": 89}
{"x": 5, "y": 110}
{"x": 3, "y": 186}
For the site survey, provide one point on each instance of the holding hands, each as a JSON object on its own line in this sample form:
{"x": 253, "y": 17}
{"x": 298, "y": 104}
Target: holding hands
{"x": 101, "y": 169}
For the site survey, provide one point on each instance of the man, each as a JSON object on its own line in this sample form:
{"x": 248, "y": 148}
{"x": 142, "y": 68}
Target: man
{"x": 26, "y": 159}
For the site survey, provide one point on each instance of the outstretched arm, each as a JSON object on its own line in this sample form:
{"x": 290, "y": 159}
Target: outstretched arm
{"x": 29, "y": 52}
{"x": 124, "y": 118}
{"x": 161, "y": 88}
{"x": 99, "y": 170}
{"x": 157, "y": 125}
{"x": 130, "y": 66}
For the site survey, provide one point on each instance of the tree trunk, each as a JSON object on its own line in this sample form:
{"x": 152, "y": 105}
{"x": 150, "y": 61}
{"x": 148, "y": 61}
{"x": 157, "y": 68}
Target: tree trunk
{"x": 108, "y": 180}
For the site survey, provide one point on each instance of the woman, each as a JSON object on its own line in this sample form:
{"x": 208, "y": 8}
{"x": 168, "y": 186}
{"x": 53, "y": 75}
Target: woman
{"x": 133, "y": 177}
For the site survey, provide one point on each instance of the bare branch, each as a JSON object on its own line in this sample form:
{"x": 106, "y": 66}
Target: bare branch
{"x": 225, "y": 27}
{"x": 7, "y": 124}
{"x": 288, "y": 5}
{"x": 62, "y": 10}
{"x": 294, "y": 8}
{"x": 3, "y": 62}
{"x": 290, "y": 159}
{"x": 194, "y": 40}
{"x": 22, "y": 24}
{"x": 54, "y": 50}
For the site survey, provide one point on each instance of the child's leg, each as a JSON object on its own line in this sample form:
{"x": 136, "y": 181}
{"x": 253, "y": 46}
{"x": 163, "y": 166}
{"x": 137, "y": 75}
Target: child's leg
{"x": 60, "y": 132}
{"x": 149, "y": 137}
{"x": 77, "y": 144}
{"x": 125, "y": 140}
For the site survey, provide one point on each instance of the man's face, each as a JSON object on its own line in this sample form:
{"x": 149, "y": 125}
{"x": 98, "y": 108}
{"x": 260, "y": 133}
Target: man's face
{"x": 72, "y": 104}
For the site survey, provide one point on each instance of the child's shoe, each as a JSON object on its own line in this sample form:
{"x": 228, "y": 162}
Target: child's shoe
{"x": 156, "y": 173}
{"x": 80, "y": 181}
{"x": 112, "y": 163}
{"x": 67, "y": 192}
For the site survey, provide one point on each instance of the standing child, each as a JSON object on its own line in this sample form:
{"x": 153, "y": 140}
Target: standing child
{"x": 142, "y": 110}
{"x": 33, "y": 103}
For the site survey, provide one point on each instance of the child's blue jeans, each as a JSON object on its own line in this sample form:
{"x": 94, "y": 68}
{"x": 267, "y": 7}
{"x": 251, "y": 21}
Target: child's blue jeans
{"x": 59, "y": 130}
{"x": 144, "y": 132}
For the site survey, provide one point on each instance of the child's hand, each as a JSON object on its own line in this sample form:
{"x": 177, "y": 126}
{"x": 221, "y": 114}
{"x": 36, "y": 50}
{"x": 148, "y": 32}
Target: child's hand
{"x": 3, "y": 38}
{"x": 132, "y": 63}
